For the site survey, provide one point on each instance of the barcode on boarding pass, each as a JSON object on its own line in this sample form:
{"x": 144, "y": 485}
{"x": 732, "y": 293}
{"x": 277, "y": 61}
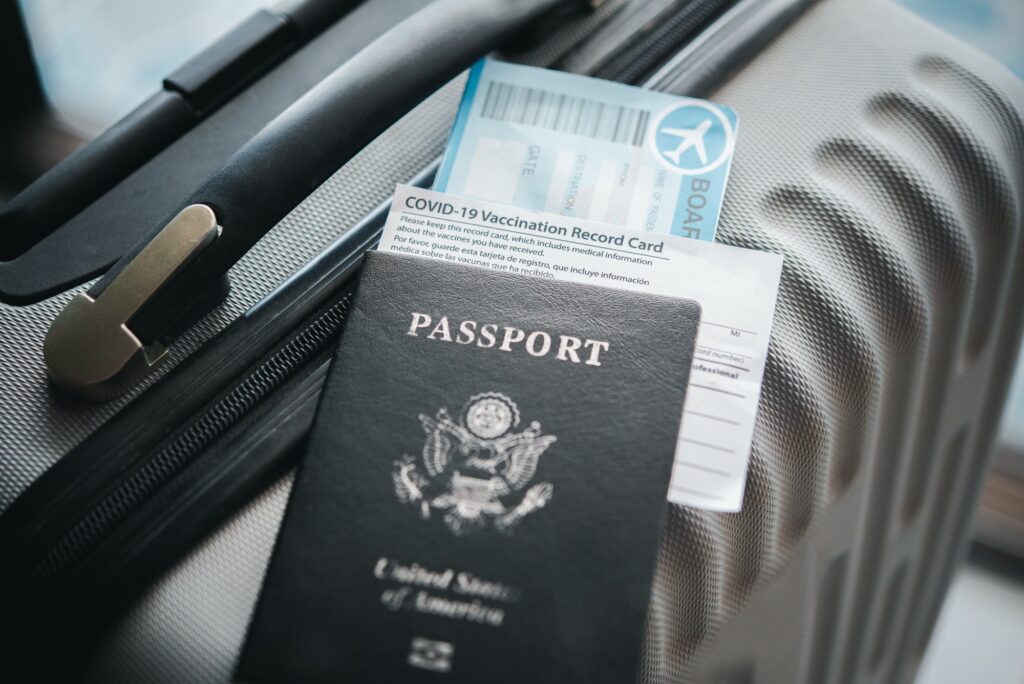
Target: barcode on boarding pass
{"x": 565, "y": 113}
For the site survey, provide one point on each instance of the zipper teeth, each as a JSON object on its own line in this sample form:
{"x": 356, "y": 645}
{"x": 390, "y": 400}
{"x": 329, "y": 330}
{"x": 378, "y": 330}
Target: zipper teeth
{"x": 630, "y": 65}
{"x": 215, "y": 420}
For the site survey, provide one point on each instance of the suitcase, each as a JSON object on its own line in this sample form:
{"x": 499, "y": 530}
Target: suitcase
{"x": 880, "y": 157}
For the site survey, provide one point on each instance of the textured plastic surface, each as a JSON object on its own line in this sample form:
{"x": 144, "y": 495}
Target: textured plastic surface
{"x": 886, "y": 161}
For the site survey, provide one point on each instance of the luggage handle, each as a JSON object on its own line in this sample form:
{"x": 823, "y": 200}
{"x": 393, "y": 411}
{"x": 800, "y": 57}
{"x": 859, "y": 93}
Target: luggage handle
{"x": 272, "y": 173}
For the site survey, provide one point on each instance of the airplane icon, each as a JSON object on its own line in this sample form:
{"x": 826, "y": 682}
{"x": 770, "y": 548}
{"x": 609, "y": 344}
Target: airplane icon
{"x": 689, "y": 137}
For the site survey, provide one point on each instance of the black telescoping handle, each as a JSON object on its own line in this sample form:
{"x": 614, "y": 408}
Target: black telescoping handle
{"x": 110, "y": 337}
{"x": 301, "y": 148}
{"x": 188, "y": 95}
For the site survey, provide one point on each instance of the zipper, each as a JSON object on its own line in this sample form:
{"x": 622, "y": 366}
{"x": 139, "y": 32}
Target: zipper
{"x": 214, "y": 421}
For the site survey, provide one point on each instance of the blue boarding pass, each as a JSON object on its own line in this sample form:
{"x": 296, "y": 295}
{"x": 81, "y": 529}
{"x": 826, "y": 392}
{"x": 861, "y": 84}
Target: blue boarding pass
{"x": 561, "y": 143}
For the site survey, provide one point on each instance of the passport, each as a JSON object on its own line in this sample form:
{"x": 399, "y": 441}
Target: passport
{"x": 483, "y": 489}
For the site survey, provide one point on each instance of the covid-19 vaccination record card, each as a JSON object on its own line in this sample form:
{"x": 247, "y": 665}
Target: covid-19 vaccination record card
{"x": 736, "y": 289}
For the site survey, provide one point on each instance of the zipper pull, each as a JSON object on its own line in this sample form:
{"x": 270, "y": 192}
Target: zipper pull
{"x": 90, "y": 349}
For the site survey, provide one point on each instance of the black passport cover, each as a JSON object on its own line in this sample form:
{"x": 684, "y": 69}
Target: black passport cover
{"x": 471, "y": 513}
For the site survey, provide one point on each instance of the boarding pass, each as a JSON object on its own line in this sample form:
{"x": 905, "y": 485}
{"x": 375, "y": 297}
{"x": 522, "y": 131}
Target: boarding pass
{"x": 590, "y": 149}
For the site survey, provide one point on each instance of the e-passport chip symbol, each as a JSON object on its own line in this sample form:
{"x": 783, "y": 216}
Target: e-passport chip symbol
{"x": 427, "y": 654}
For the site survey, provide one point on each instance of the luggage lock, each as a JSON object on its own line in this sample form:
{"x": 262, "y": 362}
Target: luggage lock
{"x": 90, "y": 350}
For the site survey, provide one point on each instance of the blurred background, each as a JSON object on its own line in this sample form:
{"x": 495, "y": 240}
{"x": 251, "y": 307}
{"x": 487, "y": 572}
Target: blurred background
{"x": 98, "y": 59}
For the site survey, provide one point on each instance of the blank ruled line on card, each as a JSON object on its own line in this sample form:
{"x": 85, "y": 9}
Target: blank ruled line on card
{"x": 715, "y": 389}
{"x": 706, "y": 445}
{"x": 697, "y": 466}
{"x": 697, "y": 492}
{"x": 720, "y": 419}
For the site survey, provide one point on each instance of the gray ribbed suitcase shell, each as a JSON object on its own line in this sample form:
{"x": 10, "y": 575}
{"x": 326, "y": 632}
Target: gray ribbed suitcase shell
{"x": 886, "y": 162}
